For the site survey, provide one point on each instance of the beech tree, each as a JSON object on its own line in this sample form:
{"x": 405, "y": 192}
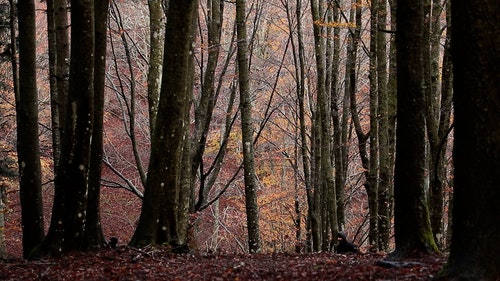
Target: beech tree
{"x": 58, "y": 44}
{"x": 159, "y": 219}
{"x": 28, "y": 151}
{"x": 475, "y": 251}
{"x": 412, "y": 223}
{"x": 75, "y": 214}
{"x": 94, "y": 236}
{"x": 252, "y": 209}
{"x": 156, "y": 39}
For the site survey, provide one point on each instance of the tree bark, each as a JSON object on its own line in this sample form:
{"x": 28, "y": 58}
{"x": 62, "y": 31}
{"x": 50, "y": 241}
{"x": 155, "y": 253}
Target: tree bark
{"x": 94, "y": 236}
{"x": 58, "y": 44}
{"x": 252, "y": 209}
{"x": 156, "y": 45}
{"x": 413, "y": 233}
{"x": 475, "y": 251}
{"x": 158, "y": 222}
{"x": 69, "y": 212}
{"x": 28, "y": 151}
{"x": 372, "y": 176}
{"x": 385, "y": 156}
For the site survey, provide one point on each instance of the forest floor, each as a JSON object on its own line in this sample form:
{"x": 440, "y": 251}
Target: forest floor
{"x": 125, "y": 263}
{"x": 119, "y": 215}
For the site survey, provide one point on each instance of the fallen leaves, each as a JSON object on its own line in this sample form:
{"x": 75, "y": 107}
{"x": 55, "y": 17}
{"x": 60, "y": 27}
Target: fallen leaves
{"x": 126, "y": 263}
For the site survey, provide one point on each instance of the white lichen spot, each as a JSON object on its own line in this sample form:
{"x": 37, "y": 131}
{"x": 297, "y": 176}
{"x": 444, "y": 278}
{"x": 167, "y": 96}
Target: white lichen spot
{"x": 163, "y": 228}
{"x": 157, "y": 220}
{"x": 81, "y": 167}
{"x": 79, "y": 215}
{"x": 59, "y": 222}
{"x": 162, "y": 184}
{"x": 23, "y": 164}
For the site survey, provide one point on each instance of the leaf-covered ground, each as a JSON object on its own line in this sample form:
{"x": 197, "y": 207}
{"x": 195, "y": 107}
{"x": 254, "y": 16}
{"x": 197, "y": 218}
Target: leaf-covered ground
{"x": 126, "y": 263}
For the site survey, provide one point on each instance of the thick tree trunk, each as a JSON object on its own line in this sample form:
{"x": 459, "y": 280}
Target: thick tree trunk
{"x": 69, "y": 213}
{"x": 475, "y": 251}
{"x": 94, "y": 236}
{"x": 28, "y": 152}
{"x": 158, "y": 222}
{"x": 73, "y": 173}
{"x": 412, "y": 224}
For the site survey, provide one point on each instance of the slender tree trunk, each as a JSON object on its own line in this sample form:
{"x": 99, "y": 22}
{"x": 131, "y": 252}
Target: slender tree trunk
{"x": 440, "y": 99}
{"x": 205, "y": 105}
{"x": 3, "y": 250}
{"x": 156, "y": 44}
{"x": 339, "y": 157}
{"x": 252, "y": 209}
{"x": 444, "y": 123}
{"x": 385, "y": 165}
{"x": 299, "y": 62}
{"x": 391, "y": 130}
{"x": 28, "y": 152}
{"x": 58, "y": 43}
{"x": 373, "y": 172}
{"x": 351, "y": 88}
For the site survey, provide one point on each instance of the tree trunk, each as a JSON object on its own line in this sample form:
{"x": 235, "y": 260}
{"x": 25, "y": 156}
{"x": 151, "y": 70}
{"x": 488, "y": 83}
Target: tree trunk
{"x": 58, "y": 43}
{"x": 339, "y": 126}
{"x": 351, "y": 89}
{"x": 94, "y": 236}
{"x": 299, "y": 61}
{"x": 444, "y": 124}
{"x": 413, "y": 233}
{"x": 205, "y": 105}
{"x": 158, "y": 222}
{"x": 28, "y": 151}
{"x": 73, "y": 174}
{"x": 156, "y": 45}
{"x": 434, "y": 116}
{"x": 475, "y": 251}
{"x": 3, "y": 251}
{"x": 252, "y": 209}
{"x": 69, "y": 213}
{"x": 372, "y": 177}
{"x": 385, "y": 164}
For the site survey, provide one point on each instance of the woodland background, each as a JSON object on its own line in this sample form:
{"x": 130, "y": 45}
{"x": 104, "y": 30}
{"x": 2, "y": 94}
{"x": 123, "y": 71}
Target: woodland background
{"x": 275, "y": 88}
{"x": 290, "y": 122}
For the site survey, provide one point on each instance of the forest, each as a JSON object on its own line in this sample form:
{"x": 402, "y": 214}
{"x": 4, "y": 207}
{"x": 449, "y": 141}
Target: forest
{"x": 250, "y": 133}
